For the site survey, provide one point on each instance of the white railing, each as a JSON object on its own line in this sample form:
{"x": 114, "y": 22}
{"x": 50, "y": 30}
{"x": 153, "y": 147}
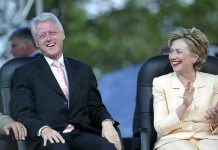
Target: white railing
{"x": 13, "y": 14}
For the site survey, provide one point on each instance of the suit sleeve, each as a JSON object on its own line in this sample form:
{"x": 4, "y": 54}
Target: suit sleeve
{"x": 97, "y": 109}
{"x": 164, "y": 121}
{"x": 22, "y": 102}
{"x": 215, "y": 101}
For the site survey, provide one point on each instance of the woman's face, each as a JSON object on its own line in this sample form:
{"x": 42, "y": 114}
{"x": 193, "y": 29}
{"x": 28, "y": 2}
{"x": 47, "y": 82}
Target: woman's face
{"x": 181, "y": 58}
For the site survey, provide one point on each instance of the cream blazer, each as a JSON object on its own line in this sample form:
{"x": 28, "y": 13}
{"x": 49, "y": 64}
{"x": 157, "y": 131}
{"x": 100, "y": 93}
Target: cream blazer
{"x": 168, "y": 95}
{"x": 4, "y": 119}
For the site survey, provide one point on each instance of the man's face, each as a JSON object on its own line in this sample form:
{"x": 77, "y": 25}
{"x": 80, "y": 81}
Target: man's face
{"x": 19, "y": 47}
{"x": 49, "y": 38}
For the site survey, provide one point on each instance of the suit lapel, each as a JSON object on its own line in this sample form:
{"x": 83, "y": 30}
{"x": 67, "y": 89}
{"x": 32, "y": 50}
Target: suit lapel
{"x": 73, "y": 75}
{"x": 199, "y": 83}
{"x": 47, "y": 75}
{"x": 176, "y": 84}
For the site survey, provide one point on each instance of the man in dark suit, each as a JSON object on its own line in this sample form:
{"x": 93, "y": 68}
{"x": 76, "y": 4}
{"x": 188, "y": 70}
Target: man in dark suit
{"x": 60, "y": 106}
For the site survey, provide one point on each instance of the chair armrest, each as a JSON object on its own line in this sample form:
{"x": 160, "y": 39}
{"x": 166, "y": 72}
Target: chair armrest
{"x": 145, "y": 139}
{"x": 21, "y": 144}
{"x": 3, "y": 142}
{"x": 4, "y": 139}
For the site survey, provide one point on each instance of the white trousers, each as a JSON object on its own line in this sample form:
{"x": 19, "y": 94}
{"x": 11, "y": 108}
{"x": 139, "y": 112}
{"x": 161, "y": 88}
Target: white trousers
{"x": 203, "y": 144}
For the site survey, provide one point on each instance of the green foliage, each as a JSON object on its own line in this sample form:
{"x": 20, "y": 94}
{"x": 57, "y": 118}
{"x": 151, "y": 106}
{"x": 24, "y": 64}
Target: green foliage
{"x": 131, "y": 35}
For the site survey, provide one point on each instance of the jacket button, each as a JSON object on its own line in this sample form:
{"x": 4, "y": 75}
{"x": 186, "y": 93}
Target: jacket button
{"x": 65, "y": 103}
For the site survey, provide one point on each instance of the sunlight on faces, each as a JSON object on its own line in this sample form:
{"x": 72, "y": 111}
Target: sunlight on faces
{"x": 180, "y": 57}
{"x": 49, "y": 38}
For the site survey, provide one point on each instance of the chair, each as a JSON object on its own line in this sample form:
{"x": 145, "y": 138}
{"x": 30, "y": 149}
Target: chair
{"x": 6, "y": 73}
{"x": 154, "y": 67}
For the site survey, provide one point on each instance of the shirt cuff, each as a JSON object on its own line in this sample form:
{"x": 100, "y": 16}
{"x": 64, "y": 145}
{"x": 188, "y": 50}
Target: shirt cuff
{"x": 109, "y": 120}
{"x": 40, "y": 130}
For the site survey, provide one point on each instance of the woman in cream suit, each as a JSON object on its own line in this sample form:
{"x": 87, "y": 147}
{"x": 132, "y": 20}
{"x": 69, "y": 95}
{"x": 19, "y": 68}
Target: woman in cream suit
{"x": 185, "y": 101}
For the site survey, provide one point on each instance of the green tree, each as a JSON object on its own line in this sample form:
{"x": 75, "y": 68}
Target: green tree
{"x": 133, "y": 34}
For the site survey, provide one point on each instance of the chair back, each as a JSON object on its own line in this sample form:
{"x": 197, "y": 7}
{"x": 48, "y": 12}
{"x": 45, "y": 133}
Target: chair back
{"x": 6, "y": 73}
{"x": 154, "y": 67}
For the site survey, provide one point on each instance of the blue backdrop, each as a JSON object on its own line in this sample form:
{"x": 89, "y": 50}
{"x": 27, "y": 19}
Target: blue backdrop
{"x": 118, "y": 91}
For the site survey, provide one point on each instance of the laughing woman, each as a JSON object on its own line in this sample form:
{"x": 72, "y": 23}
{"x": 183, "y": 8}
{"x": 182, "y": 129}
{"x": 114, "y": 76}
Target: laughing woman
{"x": 186, "y": 101}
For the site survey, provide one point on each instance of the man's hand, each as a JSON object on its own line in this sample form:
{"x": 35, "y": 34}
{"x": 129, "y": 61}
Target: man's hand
{"x": 110, "y": 133}
{"x": 52, "y": 135}
{"x": 19, "y": 130}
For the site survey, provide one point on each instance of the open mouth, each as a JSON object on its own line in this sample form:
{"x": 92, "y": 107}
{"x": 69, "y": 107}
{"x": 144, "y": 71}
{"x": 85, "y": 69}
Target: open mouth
{"x": 51, "y": 45}
{"x": 175, "y": 63}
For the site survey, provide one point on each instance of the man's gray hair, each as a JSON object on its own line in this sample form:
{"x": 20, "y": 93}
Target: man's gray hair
{"x": 42, "y": 18}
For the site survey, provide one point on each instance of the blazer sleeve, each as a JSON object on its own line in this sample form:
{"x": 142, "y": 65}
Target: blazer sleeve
{"x": 22, "y": 105}
{"x": 215, "y": 101}
{"x": 97, "y": 109}
{"x": 4, "y": 120}
{"x": 164, "y": 121}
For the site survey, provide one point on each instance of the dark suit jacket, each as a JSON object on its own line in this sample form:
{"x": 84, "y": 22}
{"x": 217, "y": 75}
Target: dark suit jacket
{"x": 37, "y": 99}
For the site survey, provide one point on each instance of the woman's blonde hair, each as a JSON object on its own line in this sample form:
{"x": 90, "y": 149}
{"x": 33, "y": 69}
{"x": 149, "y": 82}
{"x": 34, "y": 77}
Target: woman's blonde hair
{"x": 197, "y": 42}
